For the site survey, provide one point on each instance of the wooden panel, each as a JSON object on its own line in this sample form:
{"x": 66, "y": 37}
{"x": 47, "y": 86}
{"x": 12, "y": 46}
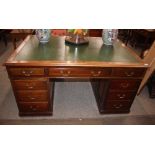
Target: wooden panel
{"x": 29, "y": 84}
{"x": 34, "y": 107}
{"x": 128, "y": 72}
{"x": 100, "y": 89}
{"x": 32, "y": 96}
{"x": 79, "y": 72}
{"x": 125, "y": 84}
{"x": 26, "y": 72}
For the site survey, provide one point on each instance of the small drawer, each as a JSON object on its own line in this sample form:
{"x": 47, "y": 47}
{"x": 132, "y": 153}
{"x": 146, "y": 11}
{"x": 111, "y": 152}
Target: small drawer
{"x": 34, "y": 107}
{"x": 79, "y": 72}
{"x": 118, "y": 105}
{"x": 128, "y": 72}
{"x": 30, "y": 84}
{"x": 125, "y": 84}
{"x": 26, "y": 72}
{"x": 32, "y": 96}
{"x": 121, "y": 95}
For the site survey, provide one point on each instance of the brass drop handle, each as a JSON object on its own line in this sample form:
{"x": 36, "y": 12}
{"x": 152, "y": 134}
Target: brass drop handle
{"x": 121, "y": 96}
{"x": 32, "y": 98}
{"x": 24, "y": 72}
{"x": 34, "y": 109}
{"x": 30, "y": 71}
{"x": 29, "y": 86}
{"x": 67, "y": 73}
{"x": 95, "y": 73}
{"x": 27, "y": 73}
{"x": 124, "y": 85}
{"x": 118, "y": 106}
{"x": 129, "y": 74}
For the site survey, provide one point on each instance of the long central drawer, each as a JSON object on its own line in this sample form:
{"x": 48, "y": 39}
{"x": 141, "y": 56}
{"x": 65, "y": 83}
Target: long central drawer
{"x": 79, "y": 72}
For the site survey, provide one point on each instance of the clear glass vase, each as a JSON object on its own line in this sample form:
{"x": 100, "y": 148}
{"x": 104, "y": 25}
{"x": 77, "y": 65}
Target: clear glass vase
{"x": 109, "y": 36}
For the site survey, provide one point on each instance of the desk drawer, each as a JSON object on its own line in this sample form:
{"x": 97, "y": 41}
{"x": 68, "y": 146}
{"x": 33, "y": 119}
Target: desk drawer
{"x": 79, "y": 72}
{"x": 30, "y": 84}
{"x": 118, "y": 105}
{"x": 32, "y": 96}
{"x": 125, "y": 84}
{"x": 128, "y": 72}
{"x": 26, "y": 72}
{"x": 34, "y": 107}
{"x": 121, "y": 95}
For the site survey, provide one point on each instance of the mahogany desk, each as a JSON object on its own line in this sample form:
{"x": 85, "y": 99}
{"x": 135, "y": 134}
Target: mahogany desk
{"x": 114, "y": 72}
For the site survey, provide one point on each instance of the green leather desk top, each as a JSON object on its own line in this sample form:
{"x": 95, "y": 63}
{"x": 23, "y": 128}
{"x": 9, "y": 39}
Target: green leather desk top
{"x": 57, "y": 50}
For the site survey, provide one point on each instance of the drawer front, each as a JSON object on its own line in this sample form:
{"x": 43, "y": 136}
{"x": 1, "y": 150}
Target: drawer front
{"x": 32, "y": 96}
{"x": 118, "y": 105}
{"x": 79, "y": 72}
{"x": 128, "y": 72}
{"x": 30, "y": 84}
{"x": 26, "y": 72}
{"x": 126, "y": 84}
{"x": 121, "y": 95}
{"x": 34, "y": 107}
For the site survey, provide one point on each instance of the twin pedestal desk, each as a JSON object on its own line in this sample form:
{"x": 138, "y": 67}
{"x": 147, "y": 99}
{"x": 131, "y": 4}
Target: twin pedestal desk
{"x": 115, "y": 73}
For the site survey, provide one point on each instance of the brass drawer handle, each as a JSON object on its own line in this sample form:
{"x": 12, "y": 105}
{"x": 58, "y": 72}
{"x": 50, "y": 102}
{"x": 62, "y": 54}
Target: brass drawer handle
{"x": 32, "y": 98}
{"x": 124, "y": 85}
{"x": 118, "y": 106}
{"x": 121, "y": 96}
{"x": 24, "y": 72}
{"x": 33, "y": 108}
{"x": 67, "y": 73}
{"x": 27, "y": 73}
{"x": 30, "y": 87}
{"x": 95, "y": 73}
{"x": 129, "y": 74}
